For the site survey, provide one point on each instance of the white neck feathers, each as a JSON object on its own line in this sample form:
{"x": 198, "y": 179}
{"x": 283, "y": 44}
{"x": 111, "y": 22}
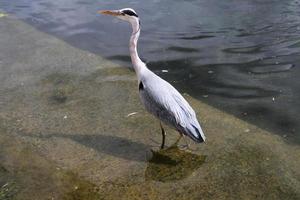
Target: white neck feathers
{"x": 137, "y": 63}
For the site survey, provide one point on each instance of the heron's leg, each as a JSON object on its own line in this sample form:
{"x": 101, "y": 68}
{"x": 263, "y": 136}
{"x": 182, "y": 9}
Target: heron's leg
{"x": 177, "y": 140}
{"x": 187, "y": 144}
{"x": 163, "y": 136}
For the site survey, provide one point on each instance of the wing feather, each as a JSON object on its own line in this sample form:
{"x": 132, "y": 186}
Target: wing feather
{"x": 165, "y": 102}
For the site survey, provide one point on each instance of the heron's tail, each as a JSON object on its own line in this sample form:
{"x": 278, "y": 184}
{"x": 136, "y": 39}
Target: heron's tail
{"x": 195, "y": 132}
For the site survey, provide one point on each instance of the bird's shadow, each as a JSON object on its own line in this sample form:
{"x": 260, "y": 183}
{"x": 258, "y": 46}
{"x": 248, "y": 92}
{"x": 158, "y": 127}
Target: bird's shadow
{"x": 111, "y": 145}
{"x": 165, "y": 165}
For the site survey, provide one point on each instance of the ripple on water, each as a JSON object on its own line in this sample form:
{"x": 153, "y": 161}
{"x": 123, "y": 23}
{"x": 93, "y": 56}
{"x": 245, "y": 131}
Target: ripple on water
{"x": 250, "y": 49}
{"x": 266, "y": 69}
{"x": 240, "y": 91}
{"x": 196, "y": 37}
{"x": 182, "y": 49}
{"x": 295, "y": 45}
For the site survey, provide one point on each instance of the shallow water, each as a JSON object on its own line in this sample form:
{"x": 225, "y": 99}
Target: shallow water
{"x": 240, "y": 56}
{"x": 72, "y": 127}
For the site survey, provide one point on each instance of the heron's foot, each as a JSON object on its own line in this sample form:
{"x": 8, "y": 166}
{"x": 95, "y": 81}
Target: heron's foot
{"x": 187, "y": 144}
{"x": 184, "y": 147}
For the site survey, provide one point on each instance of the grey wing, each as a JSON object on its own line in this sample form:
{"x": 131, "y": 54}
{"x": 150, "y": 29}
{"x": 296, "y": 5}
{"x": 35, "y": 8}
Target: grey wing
{"x": 156, "y": 104}
{"x": 165, "y": 102}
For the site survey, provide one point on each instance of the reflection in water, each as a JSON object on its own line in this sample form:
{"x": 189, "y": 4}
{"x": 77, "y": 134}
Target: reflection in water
{"x": 172, "y": 164}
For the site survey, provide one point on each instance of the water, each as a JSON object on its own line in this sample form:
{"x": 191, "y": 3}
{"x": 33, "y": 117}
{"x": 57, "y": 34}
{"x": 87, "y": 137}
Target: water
{"x": 240, "y": 56}
{"x": 67, "y": 130}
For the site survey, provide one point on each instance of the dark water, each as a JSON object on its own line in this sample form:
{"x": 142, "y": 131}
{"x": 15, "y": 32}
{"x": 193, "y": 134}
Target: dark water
{"x": 240, "y": 56}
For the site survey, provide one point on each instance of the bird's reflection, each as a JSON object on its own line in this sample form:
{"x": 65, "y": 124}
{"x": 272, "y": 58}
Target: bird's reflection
{"x": 172, "y": 164}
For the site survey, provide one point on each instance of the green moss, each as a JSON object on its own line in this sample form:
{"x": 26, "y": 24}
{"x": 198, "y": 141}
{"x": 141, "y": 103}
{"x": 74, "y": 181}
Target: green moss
{"x": 33, "y": 177}
{"x": 58, "y": 78}
{"x": 8, "y": 191}
{"x": 172, "y": 164}
{"x": 2, "y": 169}
{"x": 60, "y": 94}
{"x": 59, "y": 87}
{"x": 7, "y": 184}
{"x": 79, "y": 189}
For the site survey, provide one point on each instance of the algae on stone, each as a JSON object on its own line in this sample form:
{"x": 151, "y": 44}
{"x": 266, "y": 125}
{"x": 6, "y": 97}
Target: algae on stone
{"x": 172, "y": 164}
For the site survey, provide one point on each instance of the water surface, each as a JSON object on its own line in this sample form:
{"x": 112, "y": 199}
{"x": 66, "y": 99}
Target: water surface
{"x": 239, "y": 56}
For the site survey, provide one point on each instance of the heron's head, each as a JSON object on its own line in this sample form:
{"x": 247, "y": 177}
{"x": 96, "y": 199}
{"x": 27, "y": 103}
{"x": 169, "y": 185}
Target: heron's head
{"x": 126, "y": 14}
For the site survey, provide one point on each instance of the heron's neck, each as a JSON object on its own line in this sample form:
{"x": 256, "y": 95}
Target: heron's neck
{"x": 137, "y": 63}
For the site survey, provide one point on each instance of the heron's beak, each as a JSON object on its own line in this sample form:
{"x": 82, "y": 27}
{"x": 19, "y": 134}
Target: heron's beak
{"x": 110, "y": 12}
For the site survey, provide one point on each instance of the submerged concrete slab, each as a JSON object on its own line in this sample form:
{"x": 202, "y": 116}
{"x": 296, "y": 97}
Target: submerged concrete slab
{"x": 67, "y": 132}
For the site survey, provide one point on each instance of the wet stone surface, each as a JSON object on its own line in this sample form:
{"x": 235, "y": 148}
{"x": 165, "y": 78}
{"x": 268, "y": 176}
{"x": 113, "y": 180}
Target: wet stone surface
{"x": 67, "y": 132}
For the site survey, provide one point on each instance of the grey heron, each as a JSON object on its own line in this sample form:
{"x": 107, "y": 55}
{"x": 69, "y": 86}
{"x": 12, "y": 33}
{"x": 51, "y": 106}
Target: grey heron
{"x": 159, "y": 97}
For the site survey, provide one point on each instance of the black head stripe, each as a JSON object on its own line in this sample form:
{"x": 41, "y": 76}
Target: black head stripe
{"x": 130, "y": 13}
